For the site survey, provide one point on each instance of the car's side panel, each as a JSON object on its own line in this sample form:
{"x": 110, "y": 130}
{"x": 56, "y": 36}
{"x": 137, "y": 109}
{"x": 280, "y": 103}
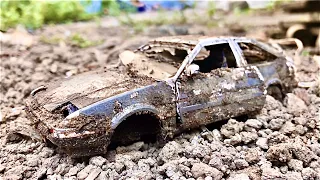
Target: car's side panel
{"x": 275, "y": 71}
{"x": 221, "y": 94}
{"x": 158, "y": 97}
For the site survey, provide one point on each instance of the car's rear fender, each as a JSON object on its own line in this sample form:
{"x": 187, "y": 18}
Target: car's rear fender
{"x": 130, "y": 110}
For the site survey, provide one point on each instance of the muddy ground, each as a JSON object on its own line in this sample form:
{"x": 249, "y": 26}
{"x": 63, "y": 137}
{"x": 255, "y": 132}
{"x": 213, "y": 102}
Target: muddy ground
{"x": 282, "y": 142}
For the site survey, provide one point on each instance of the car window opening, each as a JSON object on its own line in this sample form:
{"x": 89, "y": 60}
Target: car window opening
{"x": 219, "y": 56}
{"x": 254, "y": 54}
{"x": 162, "y": 63}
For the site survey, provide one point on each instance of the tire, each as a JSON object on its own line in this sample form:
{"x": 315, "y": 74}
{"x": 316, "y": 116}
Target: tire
{"x": 275, "y": 92}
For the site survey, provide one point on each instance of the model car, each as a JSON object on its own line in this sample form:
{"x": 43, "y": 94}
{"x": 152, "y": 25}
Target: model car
{"x": 167, "y": 86}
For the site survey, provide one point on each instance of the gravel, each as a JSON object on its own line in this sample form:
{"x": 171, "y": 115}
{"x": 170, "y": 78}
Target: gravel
{"x": 282, "y": 142}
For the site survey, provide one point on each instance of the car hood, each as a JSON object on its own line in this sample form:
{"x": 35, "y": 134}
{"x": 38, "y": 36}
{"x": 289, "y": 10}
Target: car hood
{"x": 84, "y": 89}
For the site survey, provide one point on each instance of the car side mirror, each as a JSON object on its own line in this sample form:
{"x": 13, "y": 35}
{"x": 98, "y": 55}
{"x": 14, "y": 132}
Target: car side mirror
{"x": 192, "y": 69}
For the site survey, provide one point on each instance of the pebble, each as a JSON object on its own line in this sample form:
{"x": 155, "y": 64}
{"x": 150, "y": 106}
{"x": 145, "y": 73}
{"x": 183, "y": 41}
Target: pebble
{"x": 262, "y": 143}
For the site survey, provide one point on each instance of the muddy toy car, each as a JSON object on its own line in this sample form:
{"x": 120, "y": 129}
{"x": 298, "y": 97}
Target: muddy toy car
{"x": 166, "y": 86}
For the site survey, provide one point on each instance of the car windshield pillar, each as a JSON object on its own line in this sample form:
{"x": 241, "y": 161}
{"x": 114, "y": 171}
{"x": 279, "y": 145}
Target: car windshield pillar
{"x": 188, "y": 60}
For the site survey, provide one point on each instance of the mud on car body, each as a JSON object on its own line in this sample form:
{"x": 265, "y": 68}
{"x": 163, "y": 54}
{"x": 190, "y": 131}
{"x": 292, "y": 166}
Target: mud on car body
{"x": 165, "y": 87}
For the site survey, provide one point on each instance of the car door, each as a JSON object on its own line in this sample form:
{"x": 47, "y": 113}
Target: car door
{"x": 270, "y": 66}
{"x": 204, "y": 98}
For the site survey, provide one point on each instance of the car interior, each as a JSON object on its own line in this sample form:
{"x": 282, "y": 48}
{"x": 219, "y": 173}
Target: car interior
{"x": 168, "y": 60}
{"x": 219, "y": 56}
{"x": 254, "y": 54}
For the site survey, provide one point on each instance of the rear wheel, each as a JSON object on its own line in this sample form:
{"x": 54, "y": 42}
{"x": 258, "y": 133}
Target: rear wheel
{"x": 275, "y": 92}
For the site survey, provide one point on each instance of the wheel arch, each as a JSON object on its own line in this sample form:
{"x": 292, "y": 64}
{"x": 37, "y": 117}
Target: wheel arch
{"x": 131, "y": 110}
{"x": 274, "y": 82}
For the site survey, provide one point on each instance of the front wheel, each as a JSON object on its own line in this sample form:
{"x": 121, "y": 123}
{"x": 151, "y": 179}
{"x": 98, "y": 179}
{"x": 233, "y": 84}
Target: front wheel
{"x": 275, "y": 92}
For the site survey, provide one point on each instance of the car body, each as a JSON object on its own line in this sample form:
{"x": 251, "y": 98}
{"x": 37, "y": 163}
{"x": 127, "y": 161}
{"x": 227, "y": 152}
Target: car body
{"x": 153, "y": 93}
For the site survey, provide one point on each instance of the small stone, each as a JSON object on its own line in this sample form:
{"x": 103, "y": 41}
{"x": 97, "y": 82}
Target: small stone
{"x": 248, "y": 137}
{"x": 272, "y": 103}
{"x": 216, "y": 135}
{"x": 295, "y": 165}
{"x": 227, "y": 141}
{"x": 294, "y": 104}
{"x": 97, "y": 161}
{"x": 309, "y": 173}
{"x": 236, "y": 139}
{"x": 85, "y": 172}
{"x": 262, "y": 143}
{"x": 315, "y": 148}
{"x": 287, "y": 128}
{"x": 94, "y": 173}
{"x": 276, "y": 124}
{"x": 231, "y": 128}
{"x": 270, "y": 174}
{"x": 54, "y": 68}
{"x": 254, "y": 123}
{"x": 252, "y": 155}
{"x": 238, "y": 148}
{"x": 241, "y": 163}
{"x": 293, "y": 175}
{"x": 241, "y": 176}
{"x": 170, "y": 151}
{"x": 300, "y": 129}
{"x": 300, "y": 120}
{"x": 15, "y": 171}
{"x": 216, "y": 162}
{"x": 103, "y": 175}
{"x": 33, "y": 162}
{"x": 72, "y": 171}
{"x": 276, "y": 138}
{"x": 284, "y": 169}
{"x": 49, "y": 171}
{"x": 202, "y": 170}
{"x": 303, "y": 153}
{"x": 46, "y": 152}
{"x": 279, "y": 153}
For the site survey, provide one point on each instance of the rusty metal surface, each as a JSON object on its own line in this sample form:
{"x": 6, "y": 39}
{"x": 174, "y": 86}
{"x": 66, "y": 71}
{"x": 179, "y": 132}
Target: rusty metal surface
{"x": 80, "y": 114}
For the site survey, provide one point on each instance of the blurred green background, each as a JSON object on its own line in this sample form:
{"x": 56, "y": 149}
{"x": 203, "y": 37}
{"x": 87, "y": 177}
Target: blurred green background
{"x": 34, "y": 13}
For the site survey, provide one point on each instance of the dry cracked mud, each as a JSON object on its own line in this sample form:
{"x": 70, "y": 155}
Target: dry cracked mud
{"x": 282, "y": 142}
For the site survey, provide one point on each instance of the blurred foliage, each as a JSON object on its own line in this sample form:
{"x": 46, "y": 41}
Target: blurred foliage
{"x": 211, "y": 9}
{"x": 305, "y": 53}
{"x": 33, "y": 13}
{"x": 75, "y": 39}
{"x": 272, "y": 5}
{"x": 78, "y": 40}
{"x": 162, "y": 18}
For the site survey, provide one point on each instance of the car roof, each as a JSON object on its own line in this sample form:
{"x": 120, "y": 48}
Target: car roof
{"x": 192, "y": 39}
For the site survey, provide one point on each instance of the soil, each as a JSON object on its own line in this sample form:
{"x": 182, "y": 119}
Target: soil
{"x": 281, "y": 142}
